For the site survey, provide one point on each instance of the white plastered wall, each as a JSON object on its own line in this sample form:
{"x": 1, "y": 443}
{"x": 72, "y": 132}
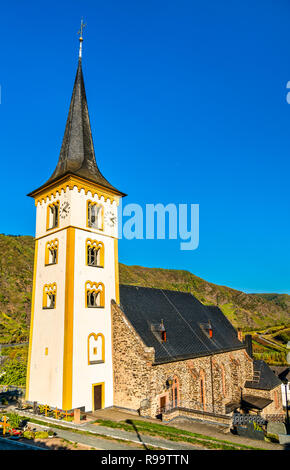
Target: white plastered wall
{"x": 46, "y": 371}
{"x": 48, "y": 329}
{"x": 92, "y": 320}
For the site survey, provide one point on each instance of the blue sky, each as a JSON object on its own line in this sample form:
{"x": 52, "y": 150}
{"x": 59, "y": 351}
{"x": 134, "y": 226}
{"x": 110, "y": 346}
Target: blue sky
{"x": 187, "y": 101}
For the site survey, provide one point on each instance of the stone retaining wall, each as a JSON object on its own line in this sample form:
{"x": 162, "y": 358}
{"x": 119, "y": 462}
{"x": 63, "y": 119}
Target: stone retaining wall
{"x": 196, "y": 415}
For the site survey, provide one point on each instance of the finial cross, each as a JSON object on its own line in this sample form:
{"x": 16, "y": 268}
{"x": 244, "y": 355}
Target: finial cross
{"x": 80, "y": 32}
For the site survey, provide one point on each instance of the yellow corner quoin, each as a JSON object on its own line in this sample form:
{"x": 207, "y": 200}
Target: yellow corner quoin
{"x": 117, "y": 293}
{"x": 31, "y": 321}
{"x": 68, "y": 321}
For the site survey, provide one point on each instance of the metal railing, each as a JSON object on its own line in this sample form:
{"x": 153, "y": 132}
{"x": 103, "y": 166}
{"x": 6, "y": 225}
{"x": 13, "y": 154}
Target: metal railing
{"x": 275, "y": 418}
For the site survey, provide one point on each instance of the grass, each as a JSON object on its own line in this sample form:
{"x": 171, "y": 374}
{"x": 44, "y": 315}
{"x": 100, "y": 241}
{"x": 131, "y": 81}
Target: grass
{"x": 153, "y": 429}
{"x": 174, "y": 434}
{"x": 87, "y": 433}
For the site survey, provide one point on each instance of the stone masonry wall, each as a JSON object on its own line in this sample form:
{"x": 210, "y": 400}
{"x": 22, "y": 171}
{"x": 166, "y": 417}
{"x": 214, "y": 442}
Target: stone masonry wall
{"x": 132, "y": 362}
{"x": 140, "y": 384}
{"x": 223, "y": 374}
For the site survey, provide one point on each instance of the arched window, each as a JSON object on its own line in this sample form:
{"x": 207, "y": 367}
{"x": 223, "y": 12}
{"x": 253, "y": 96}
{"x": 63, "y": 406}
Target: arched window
{"x": 95, "y": 215}
{"x": 95, "y": 253}
{"x": 223, "y": 377}
{"x": 175, "y": 392}
{"x": 95, "y": 294}
{"x": 51, "y": 252}
{"x": 96, "y": 348}
{"x": 276, "y": 399}
{"x": 202, "y": 389}
{"x": 52, "y": 215}
{"x": 49, "y": 296}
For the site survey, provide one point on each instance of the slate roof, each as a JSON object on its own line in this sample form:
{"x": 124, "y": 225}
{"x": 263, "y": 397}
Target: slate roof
{"x": 77, "y": 155}
{"x": 267, "y": 379}
{"x": 252, "y": 401}
{"x": 184, "y": 319}
{"x": 283, "y": 372}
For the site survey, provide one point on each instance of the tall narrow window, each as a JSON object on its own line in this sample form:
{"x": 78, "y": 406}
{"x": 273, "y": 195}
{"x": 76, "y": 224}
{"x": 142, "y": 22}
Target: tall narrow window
{"x": 52, "y": 215}
{"x": 95, "y": 214}
{"x": 95, "y": 294}
{"x": 49, "y": 296}
{"x": 96, "y": 348}
{"x": 224, "y": 390}
{"x": 202, "y": 389}
{"x": 51, "y": 252}
{"x": 95, "y": 253}
{"x": 175, "y": 392}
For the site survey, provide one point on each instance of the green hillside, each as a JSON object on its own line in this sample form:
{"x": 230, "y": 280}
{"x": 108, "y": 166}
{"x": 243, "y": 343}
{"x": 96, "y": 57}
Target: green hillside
{"x": 248, "y": 311}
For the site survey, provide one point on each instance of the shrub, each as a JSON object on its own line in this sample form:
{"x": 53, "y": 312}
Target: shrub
{"x": 69, "y": 418}
{"x": 14, "y": 420}
{"x": 271, "y": 437}
{"x": 41, "y": 435}
{"x": 28, "y": 434}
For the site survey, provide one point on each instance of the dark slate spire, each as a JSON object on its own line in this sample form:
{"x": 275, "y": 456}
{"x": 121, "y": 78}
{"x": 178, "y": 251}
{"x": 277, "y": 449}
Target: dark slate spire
{"x": 77, "y": 155}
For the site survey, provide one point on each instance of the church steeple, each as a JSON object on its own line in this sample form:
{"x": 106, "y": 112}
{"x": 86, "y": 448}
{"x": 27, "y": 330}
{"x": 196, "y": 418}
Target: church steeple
{"x": 77, "y": 154}
{"x": 76, "y": 274}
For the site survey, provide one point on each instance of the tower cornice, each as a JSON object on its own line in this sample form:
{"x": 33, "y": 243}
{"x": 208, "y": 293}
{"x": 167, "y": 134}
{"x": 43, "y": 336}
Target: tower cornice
{"x": 70, "y": 181}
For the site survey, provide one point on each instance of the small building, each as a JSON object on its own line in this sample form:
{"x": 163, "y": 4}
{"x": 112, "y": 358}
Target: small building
{"x": 283, "y": 373}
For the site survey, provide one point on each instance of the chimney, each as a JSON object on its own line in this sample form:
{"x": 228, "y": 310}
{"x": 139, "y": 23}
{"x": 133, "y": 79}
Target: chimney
{"x": 248, "y": 345}
{"x": 240, "y": 335}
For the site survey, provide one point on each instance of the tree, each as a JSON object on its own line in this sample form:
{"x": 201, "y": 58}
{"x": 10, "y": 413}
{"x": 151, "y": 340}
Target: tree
{"x": 13, "y": 373}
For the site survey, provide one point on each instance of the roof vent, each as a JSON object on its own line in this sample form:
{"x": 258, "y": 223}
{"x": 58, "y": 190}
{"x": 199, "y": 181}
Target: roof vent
{"x": 207, "y": 329}
{"x": 159, "y": 331}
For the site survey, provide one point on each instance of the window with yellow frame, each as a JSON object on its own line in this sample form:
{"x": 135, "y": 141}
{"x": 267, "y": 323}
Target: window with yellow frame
{"x": 52, "y": 217}
{"x": 95, "y": 253}
{"x": 96, "y": 348}
{"x": 49, "y": 296}
{"x": 51, "y": 252}
{"x": 95, "y": 215}
{"x": 95, "y": 294}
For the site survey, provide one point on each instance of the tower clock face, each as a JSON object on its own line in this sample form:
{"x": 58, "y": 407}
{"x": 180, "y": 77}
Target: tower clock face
{"x": 64, "y": 209}
{"x": 110, "y": 218}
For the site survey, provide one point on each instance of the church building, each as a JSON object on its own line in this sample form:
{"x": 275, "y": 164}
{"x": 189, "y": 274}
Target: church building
{"x": 96, "y": 344}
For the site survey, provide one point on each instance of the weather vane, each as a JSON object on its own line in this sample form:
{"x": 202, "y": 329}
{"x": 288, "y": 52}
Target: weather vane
{"x": 80, "y": 32}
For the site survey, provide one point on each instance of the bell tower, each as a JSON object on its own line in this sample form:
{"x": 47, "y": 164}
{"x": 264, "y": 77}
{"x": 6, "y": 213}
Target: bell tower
{"x": 75, "y": 273}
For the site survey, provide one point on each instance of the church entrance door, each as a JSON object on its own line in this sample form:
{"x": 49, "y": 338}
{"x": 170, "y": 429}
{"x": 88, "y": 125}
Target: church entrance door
{"x": 162, "y": 404}
{"x": 98, "y": 396}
